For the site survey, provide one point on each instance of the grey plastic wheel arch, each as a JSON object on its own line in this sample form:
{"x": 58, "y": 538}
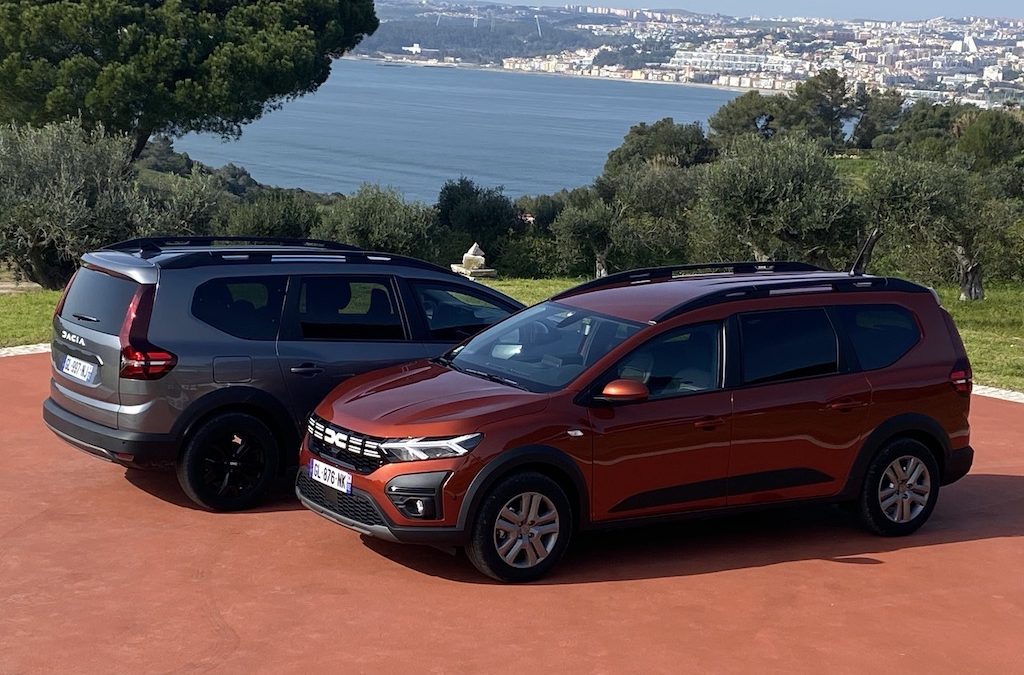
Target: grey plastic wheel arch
{"x": 912, "y": 425}
{"x": 508, "y": 462}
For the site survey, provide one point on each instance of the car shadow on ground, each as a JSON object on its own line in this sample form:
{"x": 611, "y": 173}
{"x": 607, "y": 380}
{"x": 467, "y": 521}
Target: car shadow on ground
{"x": 164, "y": 485}
{"x": 977, "y": 507}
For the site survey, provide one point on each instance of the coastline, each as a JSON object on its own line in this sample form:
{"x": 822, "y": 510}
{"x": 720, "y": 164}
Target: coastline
{"x": 495, "y": 69}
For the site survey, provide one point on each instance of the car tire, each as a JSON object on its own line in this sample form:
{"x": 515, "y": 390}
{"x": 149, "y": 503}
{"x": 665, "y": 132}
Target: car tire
{"x": 522, "y": 528}
{"x": 229, "y": 462}
{"x": 900, "y": 489}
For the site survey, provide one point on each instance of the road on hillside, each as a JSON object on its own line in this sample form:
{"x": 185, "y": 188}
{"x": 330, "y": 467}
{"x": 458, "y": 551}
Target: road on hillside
{"x": 103, "y": 570}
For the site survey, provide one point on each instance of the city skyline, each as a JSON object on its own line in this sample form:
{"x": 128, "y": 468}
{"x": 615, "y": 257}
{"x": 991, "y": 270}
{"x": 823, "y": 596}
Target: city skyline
{"x": 866, "y": 9}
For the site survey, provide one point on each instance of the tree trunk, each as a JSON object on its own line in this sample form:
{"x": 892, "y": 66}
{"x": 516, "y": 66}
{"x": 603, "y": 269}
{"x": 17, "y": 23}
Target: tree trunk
{"x": 140, "y": 138}
{"x": 969, "y": 273}
{"x": 860, "y": 265}
{"x": 971, "y": 287}
{"x": 601, "y": 264}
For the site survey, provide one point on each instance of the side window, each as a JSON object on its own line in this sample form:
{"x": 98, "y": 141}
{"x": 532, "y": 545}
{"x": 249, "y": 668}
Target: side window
{"x": 881, "y": 334}
{"x": 348, "y": 308}
{"x": 453, "y": 313}
{"x": 787, "y": 344}
{"x": 246, "y": 307}
{"x": 681, "y": 361}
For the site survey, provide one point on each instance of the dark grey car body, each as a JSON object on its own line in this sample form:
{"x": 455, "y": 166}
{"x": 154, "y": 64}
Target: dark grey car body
{"x": 269, "y": 362}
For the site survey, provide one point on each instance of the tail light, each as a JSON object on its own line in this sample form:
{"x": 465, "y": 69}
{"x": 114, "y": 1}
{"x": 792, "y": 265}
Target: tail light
{"x": 140, "y": 359}
{"x": 962, "y": 378}
{"x": 64, "y": 296}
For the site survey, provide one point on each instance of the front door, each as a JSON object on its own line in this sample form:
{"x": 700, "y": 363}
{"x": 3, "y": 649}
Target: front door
{"x": 798, "y": 415}
{"x": 339, "y": 326}
{"x": 669, "y": 453}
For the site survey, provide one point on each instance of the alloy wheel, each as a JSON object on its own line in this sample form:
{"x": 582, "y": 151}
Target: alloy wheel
{"x": 526, "y": 530}
{"x": 904, "y": 489}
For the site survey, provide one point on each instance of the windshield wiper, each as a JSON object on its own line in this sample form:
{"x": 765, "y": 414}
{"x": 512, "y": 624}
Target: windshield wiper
{"x": 494, "y": 378}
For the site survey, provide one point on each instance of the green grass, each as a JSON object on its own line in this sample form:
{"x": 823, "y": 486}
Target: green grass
{"x": 853, "y": 170}
{"x": 993, "y": 329}
{"x": 25, "y": 317}
{"x": 993, "y": 332}
{"x": 532, "y": 291}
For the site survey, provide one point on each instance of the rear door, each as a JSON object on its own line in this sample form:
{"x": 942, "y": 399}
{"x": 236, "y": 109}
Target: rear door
{"x": 337, "y": 326}
{"x": 86, "y": 348}
{"x": 799, "y": 408}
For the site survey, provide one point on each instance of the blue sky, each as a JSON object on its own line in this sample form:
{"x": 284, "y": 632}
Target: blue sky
{"x": 862, "y": 9}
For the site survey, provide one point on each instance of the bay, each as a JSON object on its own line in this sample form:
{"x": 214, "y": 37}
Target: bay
{"x": 414, "y": 127}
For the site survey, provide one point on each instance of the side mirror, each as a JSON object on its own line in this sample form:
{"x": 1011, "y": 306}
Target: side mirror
{"x": 624, "y": 391}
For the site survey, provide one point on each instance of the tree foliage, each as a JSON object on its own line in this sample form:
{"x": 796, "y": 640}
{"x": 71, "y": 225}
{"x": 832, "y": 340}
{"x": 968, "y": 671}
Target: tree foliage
{"x": 273, "y": 214}
{"x": 751, "y": 113}
{"x": 65, "y": 190}
{"x": 379, "y": 219}
{"x": 778, "y": 199}
{"x": 665, "y": 141}
{"x": 170, "y": 67}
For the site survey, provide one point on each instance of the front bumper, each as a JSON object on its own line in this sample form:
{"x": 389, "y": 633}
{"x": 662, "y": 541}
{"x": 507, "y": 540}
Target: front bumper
{"x": 127, "y": 448}
{"x": 958, "y": 465}
{"x": 360, "y": 511}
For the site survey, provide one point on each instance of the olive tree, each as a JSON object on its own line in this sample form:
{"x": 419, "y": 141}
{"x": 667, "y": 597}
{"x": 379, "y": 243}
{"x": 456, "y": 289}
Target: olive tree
{"x": 65, "y": 190}
{"x": 777, "y": 199}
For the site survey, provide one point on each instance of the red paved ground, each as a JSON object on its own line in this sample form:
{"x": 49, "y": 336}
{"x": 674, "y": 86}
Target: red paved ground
{"x": 103, "y": 571}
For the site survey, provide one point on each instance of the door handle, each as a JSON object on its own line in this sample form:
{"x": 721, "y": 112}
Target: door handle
{"x": 708, "y": 423}
{"x": 845, "y": 404}
{"x": 308, "y": 369}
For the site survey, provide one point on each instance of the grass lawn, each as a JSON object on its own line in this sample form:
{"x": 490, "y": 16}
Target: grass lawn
{"x": 993, "y": 329}
{"x": 25, "y": 317}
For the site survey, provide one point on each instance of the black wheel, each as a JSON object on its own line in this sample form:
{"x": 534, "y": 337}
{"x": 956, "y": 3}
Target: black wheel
{"x": 900, "y": 489}
{"x": 521, "y": 529}
{"x": 229, "y": 462}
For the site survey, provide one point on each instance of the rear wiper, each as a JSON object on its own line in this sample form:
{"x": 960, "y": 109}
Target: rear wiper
{"x": 494, "y": 378}
{"x": 86, "y": 317}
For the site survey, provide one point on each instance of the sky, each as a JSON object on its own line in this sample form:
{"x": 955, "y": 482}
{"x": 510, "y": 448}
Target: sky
{"x": 857, "y": 9}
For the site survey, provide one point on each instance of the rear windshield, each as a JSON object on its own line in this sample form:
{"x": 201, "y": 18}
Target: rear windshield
{"x": 98, "y": 301}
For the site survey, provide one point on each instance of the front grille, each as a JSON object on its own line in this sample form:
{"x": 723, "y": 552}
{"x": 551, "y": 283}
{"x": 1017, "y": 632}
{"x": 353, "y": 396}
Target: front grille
{"x": 354, "y": 507}
{"x": 361, "y": 454}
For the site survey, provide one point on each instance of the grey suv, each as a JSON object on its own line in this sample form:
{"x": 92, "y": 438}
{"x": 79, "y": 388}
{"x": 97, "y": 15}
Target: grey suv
{"x": 209, "y": 353}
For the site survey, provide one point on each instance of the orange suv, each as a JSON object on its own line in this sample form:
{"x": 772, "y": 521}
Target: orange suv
{"x": 647, "y": 395}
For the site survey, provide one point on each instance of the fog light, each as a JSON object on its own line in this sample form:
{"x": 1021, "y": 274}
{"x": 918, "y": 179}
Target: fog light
{"x": 418, "y": 507}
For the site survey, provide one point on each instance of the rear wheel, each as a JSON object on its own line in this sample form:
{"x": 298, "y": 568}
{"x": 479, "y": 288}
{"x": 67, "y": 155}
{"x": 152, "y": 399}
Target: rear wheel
{"x": 900, "y": 489}
{"x": 229, "y": 463}
{"x": 522, "y": 528}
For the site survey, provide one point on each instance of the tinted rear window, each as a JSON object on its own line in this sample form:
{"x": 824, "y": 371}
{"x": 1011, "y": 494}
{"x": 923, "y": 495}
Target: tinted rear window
{"x": 98, "y": 301}
{"x": 787, "y": 344}
{"x": 246, "y": 307}
{"x": 881, "y": 334}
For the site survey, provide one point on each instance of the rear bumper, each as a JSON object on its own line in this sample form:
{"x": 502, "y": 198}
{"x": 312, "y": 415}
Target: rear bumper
{"x": 360, "y": 512}
{"x": 128, "y": 448}
{"x": 959, "y": 463}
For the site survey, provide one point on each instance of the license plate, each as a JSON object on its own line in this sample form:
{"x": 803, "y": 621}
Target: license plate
{"x": 78, "y": 369}
{"x": 331, "y": 477}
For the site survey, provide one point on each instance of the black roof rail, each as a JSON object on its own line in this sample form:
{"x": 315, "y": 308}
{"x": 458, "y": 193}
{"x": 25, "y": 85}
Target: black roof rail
{"x": 760, "y": 289}
{"x": 159, "y": 243}
{"x": 648, "y": 274}
{"x": 229, "y": 256}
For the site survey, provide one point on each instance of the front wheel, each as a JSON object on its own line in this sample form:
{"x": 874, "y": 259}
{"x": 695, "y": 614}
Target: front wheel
{"x": 900, "y": 489}
{"x": 229, "y": 462}
{"x": 522, "y": 528}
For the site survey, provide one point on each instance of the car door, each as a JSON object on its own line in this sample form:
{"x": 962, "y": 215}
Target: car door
{"x": 337, "y": 326}
{"x": 799, "y": 412}
{"x": 448, "y": 313}
{"x": 669, "y": 453}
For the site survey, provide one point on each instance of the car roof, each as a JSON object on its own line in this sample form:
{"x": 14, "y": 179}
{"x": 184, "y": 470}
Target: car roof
{"x": 142, "y": 259}
{"x": 657, "y": 294}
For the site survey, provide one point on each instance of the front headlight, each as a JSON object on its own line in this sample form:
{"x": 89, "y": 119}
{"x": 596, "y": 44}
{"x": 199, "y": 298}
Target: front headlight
{"x": 412, "y": 449}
